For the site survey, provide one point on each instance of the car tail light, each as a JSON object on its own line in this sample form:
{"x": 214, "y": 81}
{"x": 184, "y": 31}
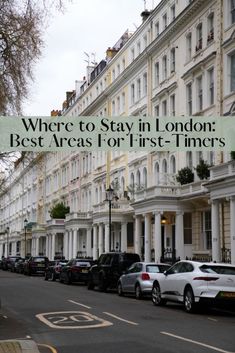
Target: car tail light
{"x": 75, "y": 269}
{"x": 207, "y": 279}
{"x": 145, "y": 276}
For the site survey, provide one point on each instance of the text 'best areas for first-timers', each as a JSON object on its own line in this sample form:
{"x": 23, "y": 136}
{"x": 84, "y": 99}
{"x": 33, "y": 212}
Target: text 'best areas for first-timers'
{"x": 121, "y": 132}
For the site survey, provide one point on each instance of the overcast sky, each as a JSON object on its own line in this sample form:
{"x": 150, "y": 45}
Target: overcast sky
{"x": 86, "y": 26}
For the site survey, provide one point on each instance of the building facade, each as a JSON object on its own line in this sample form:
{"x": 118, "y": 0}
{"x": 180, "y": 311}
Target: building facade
{"x": 179, "y": 62}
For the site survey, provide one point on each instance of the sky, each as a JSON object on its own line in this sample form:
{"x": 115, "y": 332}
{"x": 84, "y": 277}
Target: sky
{"x": 89, "y": 26}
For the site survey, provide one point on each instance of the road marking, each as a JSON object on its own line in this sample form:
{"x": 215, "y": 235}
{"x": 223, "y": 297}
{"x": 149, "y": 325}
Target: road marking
{"x": 85, "y": 306}
{"x": 72, "y": 320}
{"x": 196, "y": 342}
{"x": 28, "y": 336}
{"x": 210, "y": 318}
{"x": 47, "y": 346}
{"x": 119, "y": 318}
{"x": 5, "y": 317}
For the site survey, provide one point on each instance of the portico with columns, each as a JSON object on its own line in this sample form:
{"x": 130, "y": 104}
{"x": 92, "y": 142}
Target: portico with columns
{"x": 54, "y": 238}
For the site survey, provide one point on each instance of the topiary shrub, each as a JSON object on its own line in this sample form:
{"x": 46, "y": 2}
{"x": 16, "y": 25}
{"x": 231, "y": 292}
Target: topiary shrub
{"x": 202, "y": 170}
{"x": 59, "y": 210}
{"x": 185, "y": 176}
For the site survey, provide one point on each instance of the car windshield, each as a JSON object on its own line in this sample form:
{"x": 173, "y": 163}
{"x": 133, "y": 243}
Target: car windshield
{"x": 83, "y": 263}
{"x": 156, "y": 268}
{"x": 39, "y": 259}
{"x": 222, "y": 270}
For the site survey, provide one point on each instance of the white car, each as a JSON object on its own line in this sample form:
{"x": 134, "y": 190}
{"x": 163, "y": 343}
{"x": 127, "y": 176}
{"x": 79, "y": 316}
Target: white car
{"x": 190, "y": 282}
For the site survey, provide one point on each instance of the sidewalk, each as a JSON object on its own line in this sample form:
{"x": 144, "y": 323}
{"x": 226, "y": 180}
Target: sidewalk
{"x": 18, "y": 346}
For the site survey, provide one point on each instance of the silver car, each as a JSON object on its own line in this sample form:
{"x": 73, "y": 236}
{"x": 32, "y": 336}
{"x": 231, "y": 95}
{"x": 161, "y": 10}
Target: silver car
{"x": 138, "y": 279}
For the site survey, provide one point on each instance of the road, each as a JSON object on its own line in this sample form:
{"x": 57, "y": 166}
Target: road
{"x": 72, "y": 320}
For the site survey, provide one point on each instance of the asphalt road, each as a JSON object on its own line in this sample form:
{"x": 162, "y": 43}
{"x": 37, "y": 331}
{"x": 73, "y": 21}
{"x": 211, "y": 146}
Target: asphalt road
{"x": 72, "y": 320}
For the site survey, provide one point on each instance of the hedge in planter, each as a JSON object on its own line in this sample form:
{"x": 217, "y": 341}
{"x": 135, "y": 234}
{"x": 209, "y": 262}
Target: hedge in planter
{"x": 202, "y": 170}
{"x": 185, "y": 176}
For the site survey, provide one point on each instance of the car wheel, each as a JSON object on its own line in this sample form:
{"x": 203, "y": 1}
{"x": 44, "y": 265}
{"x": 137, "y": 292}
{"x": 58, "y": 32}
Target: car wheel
{"x": 53, "y": 276}
{"x": 138, "y": 292}
{"x": 102, "y": 285}
{"x": 45, "y": 277}
{"x": 157, "y": 296}
{"x": 119, "y": 289}
{"x": 189, "y": 301}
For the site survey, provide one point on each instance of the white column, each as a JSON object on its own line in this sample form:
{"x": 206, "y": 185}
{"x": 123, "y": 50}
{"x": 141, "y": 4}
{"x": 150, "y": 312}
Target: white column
{"x": 101, "y": 240}
{"x": 47, "y": 245}
{"x": 75, "y": 242}
{"x": 88, "y": 242}
{"x": 138, "y": 229}
{"x": 53, "y": 246}
{"x": 65, "y": 244}
{"x": 158, "y": 237}
{"x": 95, "y": 242}
{"x": 33, "y": 246}
{"x": 70, "y": 244}
{"x": 37, "y": 246}
{"x": 232, "y": 228}
{"x": 124, "y": 236}
{"x": 147, "y": 237}
{"x": 215, "y": 226}
{"x": 106, "y": 238}
{"x": 179, "y": 235}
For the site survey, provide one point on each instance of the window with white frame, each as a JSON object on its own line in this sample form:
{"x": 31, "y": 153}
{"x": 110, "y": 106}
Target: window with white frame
{"x": 206, "y": 229}
{"x": 189, "y": 99}
{"x": 210, "y": 29}
{"x": 123, "y": 101}
{"x": 172, "y": 165}
{"x": 172, "y": 60}
{"x": 123, "y": 64}
{"x": 138, "y": 89}
{"x": 164, "y": 20}
{"x": 138, "y": 48}
{"x": 199, "y": 37}
{"x": 113, "y": 107}
{"x": 132, "y": 93}
{"x": 118, "y": 70}
{"x": 156, "y": 74}
{"x": 118, "y": 105}
{"x": 164, "y": 67}
{"x": 172, "y": 12}
{"x": 164, "y": 108}
{"x": 199, "y": 156}
{"x": 172, "y": 105}
{"x": 156, "y": 110}
{"x": 145, "y": 39}
{"x": 145, "y": 84}
{"x": 132, "y": 54}
{"x": 189, "y": 46}
{"x": 113, "y": 74}
{"x": 199, "y": 94}
{"x": 145, "y": 178}
{"x": 232, "y": 72}
{"x": 211, "y": 86}
{"x": 188, "y": 228}
{"x": 157, "y": 29}
{"x": 189, "y": 159}
{"x": 232, "y": 9}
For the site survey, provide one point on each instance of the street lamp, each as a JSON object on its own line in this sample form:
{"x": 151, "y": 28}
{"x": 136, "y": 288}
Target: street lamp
{"x": 109, "y": 198}
{"x": 25, "y": 225}
{"x": 7, "y": 230}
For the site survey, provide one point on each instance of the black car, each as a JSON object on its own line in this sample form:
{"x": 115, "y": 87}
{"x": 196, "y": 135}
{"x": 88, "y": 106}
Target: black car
{"x": 8, "y": 262}
{"x": 110, "y": 266}
{"x": 19, "y": 265}
{"x": 36, "y": 265}
{"x": 53, "y": 269}
{"x": 76, "y": 270}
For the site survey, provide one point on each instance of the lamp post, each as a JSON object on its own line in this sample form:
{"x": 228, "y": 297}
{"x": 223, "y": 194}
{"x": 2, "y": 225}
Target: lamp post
{"x": 7, "y": 230}
{"x": 25, "y": 225}
{"x": 109, "y": 198}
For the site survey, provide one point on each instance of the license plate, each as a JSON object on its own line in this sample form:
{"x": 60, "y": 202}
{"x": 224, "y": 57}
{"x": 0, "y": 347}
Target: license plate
{"x": 227, "y": 295}
{"x": 40, "y": 265}
{"x": 84, "y": 271}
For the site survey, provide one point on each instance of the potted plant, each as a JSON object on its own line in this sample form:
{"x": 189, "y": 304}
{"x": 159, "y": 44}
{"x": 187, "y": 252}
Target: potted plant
{"x": 185, "y": 176}
{"x": 59, "y": 210}
{"x": 202, "y": 170}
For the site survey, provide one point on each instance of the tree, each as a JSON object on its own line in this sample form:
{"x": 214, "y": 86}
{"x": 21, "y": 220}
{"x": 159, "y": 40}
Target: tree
{"x": 202, "y": 170}
{"x": 21, "y": 24}
{"x": 59, "y": 211}
{"x": 185, "y": 176}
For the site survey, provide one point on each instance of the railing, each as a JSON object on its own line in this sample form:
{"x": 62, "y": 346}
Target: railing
{"x": 169, "y": 256}
{"x": 222, "y": 170}
{"x": 226, "y": 255}
{"x": 75, "y": 215}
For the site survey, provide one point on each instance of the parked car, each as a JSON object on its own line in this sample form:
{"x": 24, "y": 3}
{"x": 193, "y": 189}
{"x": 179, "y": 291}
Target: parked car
{"x": 8, "y": 262}
{"x": 190, "y": 283}
{"x": 53, "y": 269}
{"x": 138, "y": 279}
{"x": 35, "y": 265}
{"x": 76, "y": 270}
{"x": 14, "y": 263}
{"x": 19, "y": 265}
{"x": 109, "y": 268}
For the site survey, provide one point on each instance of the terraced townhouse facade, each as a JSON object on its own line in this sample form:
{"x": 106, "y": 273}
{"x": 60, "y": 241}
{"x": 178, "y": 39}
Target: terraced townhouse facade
{"x": 179, "y": 62}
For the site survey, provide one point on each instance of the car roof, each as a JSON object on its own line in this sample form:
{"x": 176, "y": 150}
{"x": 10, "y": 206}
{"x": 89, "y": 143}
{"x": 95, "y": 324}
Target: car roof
{"x": 211, "y": 263}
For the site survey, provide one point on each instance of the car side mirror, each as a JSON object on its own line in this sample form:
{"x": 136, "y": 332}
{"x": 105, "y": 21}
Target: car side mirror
{"x": 165, "y": 273}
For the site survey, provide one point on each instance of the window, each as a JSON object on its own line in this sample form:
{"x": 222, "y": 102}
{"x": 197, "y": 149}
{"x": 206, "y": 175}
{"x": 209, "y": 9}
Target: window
{"x": 172, "y": 105}
{"x": 145, "y": 41}
{"x": 145, "y": 84}
{"x": 210, "y": 22}
{"x": 211, "y": 86}
{"x": 189, "y": 159}
{"x": 113, "y": 108}
{"x": 113, "y": 74}
{"x": 156, "y": 67}
{"x": 123, "y": 101}
{"x": 172, "y": 60}
{"x": 138, "y": 88}
{"x": 232, "y": 2}
{"x": 145, "y": 178}
{"x": 189, "y": 46}
{"x": 156, "y": 29}
{"x": 118, "y": 69}
{"x": 172, "y": 165}
{"x": 232, "y": 72}
{"x": 164, "y": 20}
{"x": 132, "y": 54}
{"x": 156, "y": 110}
{"x": 199, "y": 94}
{"x": 199, "y": 37}
{"x": 138, "y": 48}
{"x": 188, "y": 228}
{"x": 123, "y": 64}
{"x": 164, "y": 108}
{"x": 189, "y": 99}
{"x": 118, "y": 105}
{"x": 206, "y": 228}
{"x": 172, "y": 12}
{"x": 132, "y": 93}
{"x": 156, "y": 173}
{"x": 164, "y": 67}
